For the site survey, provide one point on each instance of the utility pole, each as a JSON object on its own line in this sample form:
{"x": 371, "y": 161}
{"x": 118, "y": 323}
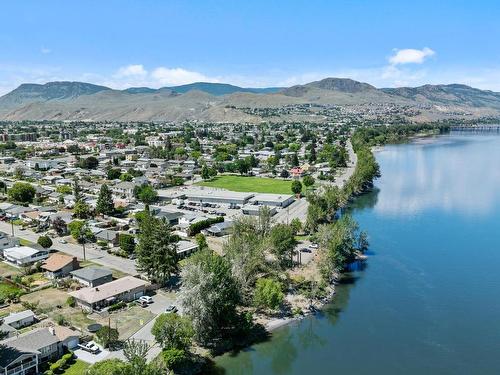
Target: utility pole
{"x": 83, "y": 246}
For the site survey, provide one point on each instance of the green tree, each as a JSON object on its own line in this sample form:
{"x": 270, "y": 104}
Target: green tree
{"x": 201, "y": 241}
{"x": 127, "y": 242}
{"x": 105, "y": 204}
{"x": 340, "y": 241}
{"x": 113, "y": 173}
{"x": 173, "y": 331}
{"x": 209, "y": 295}
{"x": 22, "y": 192}
{"x": 242, "y": 166}
{"x": 296, "y": 187}
{"x": 44, "y": 241}
{"x": 126, "y": 177}
{"x": 205, "y": 173}
{"x": 282, "y": 238}
{"x": 157, "y": 249}
{"x": 109, "y": 367}
{"x": 77, "y": 191}
{"x": 135, "y": 351}
{"x": 64, "y": 189}
{"x": 107, "y": 336}
{"x": 268, "y": 294}
{"x": 146, "y": 194}
{"x": 296, "y": 225}
{"x": 308, "y": 181}
{"x": 80, "y": 231}
{"x": 82, "y": 210}
{"x": 89, "y": 163}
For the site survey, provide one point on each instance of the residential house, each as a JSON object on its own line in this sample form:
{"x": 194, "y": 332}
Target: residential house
{"x": 23, "y": 354}
{"x": 7, "y": 241}
{"x": 126, "y": 289}
{"x": 60, "y": 265}
{"x": 108, "y": 236}
{"x": 219, "y": 229}
{"x": 21, "y": 319}
{"x": 24, "y": 255}
{"x": 92, "y": 276}
{"x": 124, "y": 189}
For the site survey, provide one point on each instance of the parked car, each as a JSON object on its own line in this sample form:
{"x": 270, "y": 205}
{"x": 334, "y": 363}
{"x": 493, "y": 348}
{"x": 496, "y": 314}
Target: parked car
{"x": 171, "y": 309}
{"x": 305, "y": 250}
{"x": 314, "y": 246}
{"x": 90, "y": 347}
{"x": 142, "y": 303}
{"x": 62, "y": 240}
{"x": 147, "y": 299}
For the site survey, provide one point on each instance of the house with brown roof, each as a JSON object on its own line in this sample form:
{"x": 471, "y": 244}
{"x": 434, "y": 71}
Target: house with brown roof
{"x": 60, "y": 265}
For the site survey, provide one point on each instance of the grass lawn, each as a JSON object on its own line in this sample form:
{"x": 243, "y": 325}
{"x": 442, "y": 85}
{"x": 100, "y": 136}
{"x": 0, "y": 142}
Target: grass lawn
{"x": 36, "y": 279}
{"x": 128, "y": 321}
{"x": 8, "y": 270}
{"x": 250, "y": 184}
{"x": 24, "y": 242}
{"x": 6, "y": 289}
{"x": 47, "y": 298}
{"x": 76, "y": 368}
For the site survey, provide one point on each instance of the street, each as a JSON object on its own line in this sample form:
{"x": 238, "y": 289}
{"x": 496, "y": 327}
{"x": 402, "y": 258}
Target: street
{"x": 97, "y": 256}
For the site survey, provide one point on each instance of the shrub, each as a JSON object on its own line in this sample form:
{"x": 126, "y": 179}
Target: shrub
{"x": 117, "y": 306}
{"x": 71, "y": 302}
{"x": 204, "y": 224}
{"x": 268, "y": 294}
{"x": 44, "y": 241}
{"x": 173, "y": 357}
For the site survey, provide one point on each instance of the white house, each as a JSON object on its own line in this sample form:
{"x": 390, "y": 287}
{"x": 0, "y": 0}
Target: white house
{"x": 24, "y": 255}
{"x": 20, "y": 319}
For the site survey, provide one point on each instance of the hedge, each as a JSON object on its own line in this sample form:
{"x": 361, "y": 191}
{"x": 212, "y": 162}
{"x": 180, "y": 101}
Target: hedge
{"x": 204, "y": 224}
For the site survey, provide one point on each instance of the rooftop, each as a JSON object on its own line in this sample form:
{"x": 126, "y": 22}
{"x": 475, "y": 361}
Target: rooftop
{"x": 111, "y": 289}
{"x": 91, "y": 273}
{"x": 57, "y": 261}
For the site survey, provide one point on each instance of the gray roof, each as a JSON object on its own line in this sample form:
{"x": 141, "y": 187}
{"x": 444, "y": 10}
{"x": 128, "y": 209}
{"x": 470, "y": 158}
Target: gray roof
{"x": 91, "y": 273}
{"x": 10, "y": 354}
{"x": 32, "y": 340}
{"x": 15, "y": 317}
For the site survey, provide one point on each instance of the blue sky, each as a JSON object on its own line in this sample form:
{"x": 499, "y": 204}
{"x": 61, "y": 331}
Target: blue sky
{"x": 251, "y": 43}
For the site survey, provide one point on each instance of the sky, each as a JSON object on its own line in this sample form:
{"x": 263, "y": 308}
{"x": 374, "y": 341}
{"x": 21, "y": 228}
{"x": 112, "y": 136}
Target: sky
{"x": 256, "y": 43}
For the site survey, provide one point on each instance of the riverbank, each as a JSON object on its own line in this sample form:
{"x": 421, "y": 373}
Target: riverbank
{"x": 412, "y": 301}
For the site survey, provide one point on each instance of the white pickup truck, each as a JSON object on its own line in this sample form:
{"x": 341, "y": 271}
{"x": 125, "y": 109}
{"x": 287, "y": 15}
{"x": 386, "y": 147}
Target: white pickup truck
{"x": 90, "y": 347}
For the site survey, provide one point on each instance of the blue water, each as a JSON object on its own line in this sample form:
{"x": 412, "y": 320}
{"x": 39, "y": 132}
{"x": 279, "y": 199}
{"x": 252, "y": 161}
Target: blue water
{"x": 428, "y": 301}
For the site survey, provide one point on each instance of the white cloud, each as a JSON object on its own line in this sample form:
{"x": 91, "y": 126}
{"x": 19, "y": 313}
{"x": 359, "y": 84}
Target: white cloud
{"x": 179, "y": 76}
{"x": 410, "y": 56}
{"x": 45, "y": 50}
{"x": 131, "y": 70}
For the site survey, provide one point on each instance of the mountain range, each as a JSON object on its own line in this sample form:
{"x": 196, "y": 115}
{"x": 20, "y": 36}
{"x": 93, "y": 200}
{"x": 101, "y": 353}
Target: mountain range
{"x": 219, "y": 102}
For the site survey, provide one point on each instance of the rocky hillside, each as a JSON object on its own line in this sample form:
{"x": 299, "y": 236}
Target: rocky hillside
{"x": 315, "y": 101}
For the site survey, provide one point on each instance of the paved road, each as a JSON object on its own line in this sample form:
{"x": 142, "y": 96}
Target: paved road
{"x": 95, "y": 255}
{"x": 298, "y": 209}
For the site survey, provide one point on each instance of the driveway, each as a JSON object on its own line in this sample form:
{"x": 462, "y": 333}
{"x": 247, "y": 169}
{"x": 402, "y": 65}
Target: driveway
{"x": 89, "y": 357}
{"x": 160, "y": 303}
{"x": 97, "y": 256}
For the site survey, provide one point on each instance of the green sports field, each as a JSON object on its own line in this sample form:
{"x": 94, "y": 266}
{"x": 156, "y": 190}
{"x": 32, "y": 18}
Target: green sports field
{"x": 250, "y": 184}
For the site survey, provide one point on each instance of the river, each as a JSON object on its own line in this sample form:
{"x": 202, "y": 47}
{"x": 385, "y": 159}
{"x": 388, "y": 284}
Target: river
{"x": 428, "y": 300}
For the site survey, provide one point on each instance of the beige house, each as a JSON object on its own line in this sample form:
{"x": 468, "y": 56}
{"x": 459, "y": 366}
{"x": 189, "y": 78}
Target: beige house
{"x": 126, "y": 289}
